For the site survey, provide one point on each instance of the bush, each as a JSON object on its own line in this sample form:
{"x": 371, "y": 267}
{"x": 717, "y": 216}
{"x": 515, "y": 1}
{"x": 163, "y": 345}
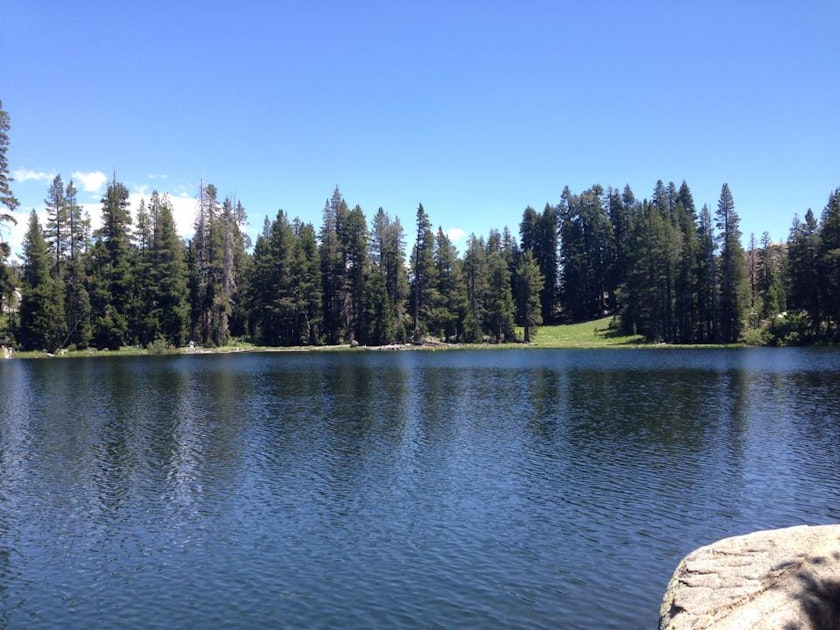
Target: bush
{"x": 158, "y": 346}
{"x": 791, "y": 329}
{"x": 760, "y": 336}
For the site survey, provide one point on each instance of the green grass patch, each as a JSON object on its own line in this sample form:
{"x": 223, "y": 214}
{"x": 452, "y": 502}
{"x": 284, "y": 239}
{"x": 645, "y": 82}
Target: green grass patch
{"x": 597, "y": 333}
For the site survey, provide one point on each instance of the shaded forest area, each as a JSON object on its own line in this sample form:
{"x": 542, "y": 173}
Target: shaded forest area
{"x": 664, "y": 269}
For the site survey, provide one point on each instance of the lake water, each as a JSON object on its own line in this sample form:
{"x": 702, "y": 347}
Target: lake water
{"x": 521, "y": 488}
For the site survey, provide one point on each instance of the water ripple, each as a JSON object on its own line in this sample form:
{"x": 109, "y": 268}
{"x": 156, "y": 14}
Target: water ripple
{"x": 521, "y": 489}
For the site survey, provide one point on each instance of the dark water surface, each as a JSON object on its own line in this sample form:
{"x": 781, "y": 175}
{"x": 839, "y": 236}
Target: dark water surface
{"x": 414, "y": 489}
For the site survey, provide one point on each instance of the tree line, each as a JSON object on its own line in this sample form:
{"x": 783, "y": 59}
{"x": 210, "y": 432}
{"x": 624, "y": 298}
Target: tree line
{"x": 665, "y": 270}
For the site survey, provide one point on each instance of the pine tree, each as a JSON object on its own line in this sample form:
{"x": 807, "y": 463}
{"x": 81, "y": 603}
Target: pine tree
{"x": 585, "y": 244}
{"x": 379, "y": 314}
{"x": 661, "y": 199}
{"x": 234, "y": 265}
{"x": 212, "y": 307}
{"x": 352, "y": 237}
{"x": 423, "y": 280}
{"x": 733, "y": 281}
{"x": 448, "y": 314}
{"x": 112, "y": 261}
{"x": 214, "y": 299}
{"x": 529, "y": 230}
{"x": 66, "y": 235}
{"x": 752, "y": 272}
{"x": 307, "y": 271}
{"x": 259, "y": 284}
{"x": 498, "y": 298}
{"x": 529, "y": 282}
{"x": 41, "y": 307}
{"x": 272, "y": 285}
{"x": 708, "y": 292}
{"x": 538, "y": 234}
{"x": 648, "y": 306}
{"x": 77, "y": 299}
{"x": 10, "y": 202}
{"x": 547, "y": 257}
{"x": 78, "y": 224}
{"x": 142, "y": 317}
{"x": 475, "y": 278}
{"x": 572, "y": 256}
{"x": 387, "y": 247}
{"x": 668, "y": 253}
{"x": 829, "y": 262}
{"x": 57, "y": 231}
{"x": 510, "y": 252}
{"x": 168, "y": 274}
{"x": 7, "y": 198}
{"x": 285, "y": 286}
{"x": 332, "y": 268}
{"x": 685, "y": 287}
{"x": 770, "y": 278}
{"x": 619, "y": 217}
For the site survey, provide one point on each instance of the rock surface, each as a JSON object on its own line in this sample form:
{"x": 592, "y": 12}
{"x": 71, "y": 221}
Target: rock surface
{"x": 781, "y": 579}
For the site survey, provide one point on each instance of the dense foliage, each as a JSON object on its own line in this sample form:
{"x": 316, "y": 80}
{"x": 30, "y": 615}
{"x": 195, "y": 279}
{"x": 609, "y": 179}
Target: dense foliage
{"x": 667, "y": 271}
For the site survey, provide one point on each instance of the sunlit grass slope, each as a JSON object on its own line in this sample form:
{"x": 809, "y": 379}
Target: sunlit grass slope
{"x": 592, "y": 334}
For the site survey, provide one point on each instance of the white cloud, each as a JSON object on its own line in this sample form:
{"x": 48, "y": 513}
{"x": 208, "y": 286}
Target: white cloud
{"x": 158, "y": 176}
{"x": 92, "y": 182}
{"x": 183, "y": 210}
{"x": 456, "y": 234}
{"x": 26, "y": 174}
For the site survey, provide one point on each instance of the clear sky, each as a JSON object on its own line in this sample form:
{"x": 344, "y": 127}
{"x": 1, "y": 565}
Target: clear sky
{"x": 474, "y": 108}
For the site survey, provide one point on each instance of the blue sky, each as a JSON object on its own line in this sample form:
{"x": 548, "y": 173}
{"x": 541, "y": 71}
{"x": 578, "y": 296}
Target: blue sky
{"x": 475, "y": 109}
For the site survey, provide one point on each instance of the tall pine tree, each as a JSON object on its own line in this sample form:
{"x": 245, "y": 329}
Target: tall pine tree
{"x": 111, "y": 304}
{"x": 476, "y": 279}
{"x": 168, "y": 274}
{"x": 7, "y": 198}
{"x": 332, "y": 268}
{"x": 78, "y": 307}
{"x": 448, "y": 313}
{"x": 423, "y": 275}
{"x": 829, "y": 263}
{"x": 10, "y": 203}
{"x": 41, "y": 307}
{"x": 529, "y": 282}
{"x": 498, "y": 298}
{"x": 733, "y": 277}
{"x": 387, "y": 247}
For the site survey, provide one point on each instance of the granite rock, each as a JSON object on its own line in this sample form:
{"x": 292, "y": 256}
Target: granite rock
{"x": 781, "y": 579}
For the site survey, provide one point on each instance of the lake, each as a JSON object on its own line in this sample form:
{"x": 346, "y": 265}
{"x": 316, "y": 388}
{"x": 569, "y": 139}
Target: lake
{"x": 526, "y": 488}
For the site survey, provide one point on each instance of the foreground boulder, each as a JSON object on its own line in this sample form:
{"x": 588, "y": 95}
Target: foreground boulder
{"x": 781, "y": 579}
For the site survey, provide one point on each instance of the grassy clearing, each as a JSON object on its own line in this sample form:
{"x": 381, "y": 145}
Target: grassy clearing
{"x": 592, "y": 334}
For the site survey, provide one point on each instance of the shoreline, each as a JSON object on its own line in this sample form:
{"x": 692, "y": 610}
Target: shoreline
{"x": 426, "y": 347}
{"x": 589, "y": 335}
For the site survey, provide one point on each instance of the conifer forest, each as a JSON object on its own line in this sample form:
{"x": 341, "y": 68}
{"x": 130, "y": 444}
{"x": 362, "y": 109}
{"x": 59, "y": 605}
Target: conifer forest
{"x": 665, "y": 269}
